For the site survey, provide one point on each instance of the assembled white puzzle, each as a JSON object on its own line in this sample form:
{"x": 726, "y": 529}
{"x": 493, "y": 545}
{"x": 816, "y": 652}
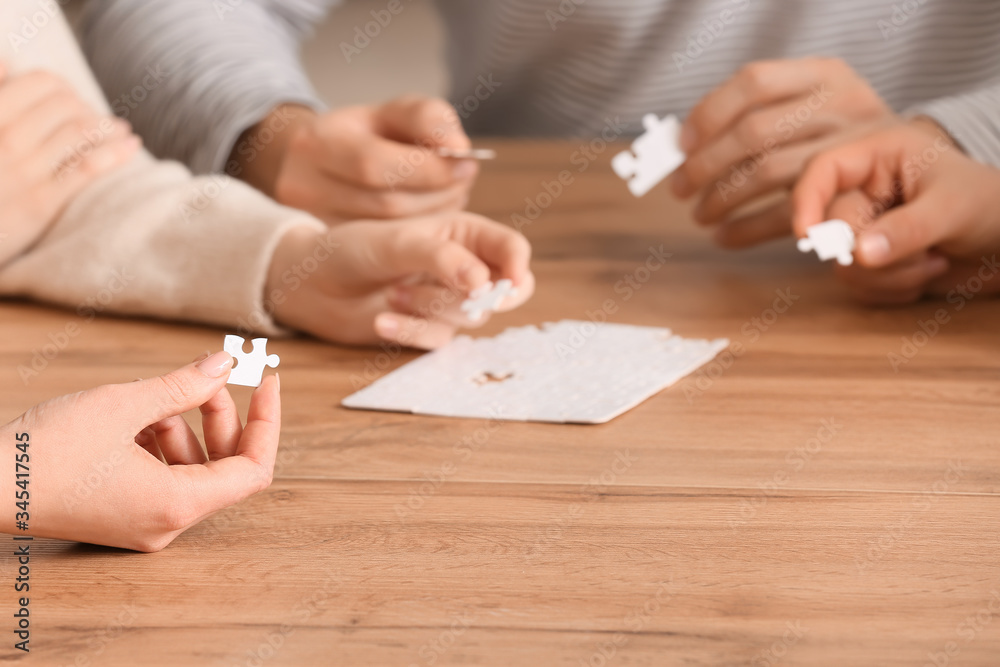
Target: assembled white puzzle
{"x": 565, "y": 372}
{"x": 655, "y": 155}
{"x": 487, "y": 299}
{"x": 833, "y": 239}
{"x": 249, "y": 368}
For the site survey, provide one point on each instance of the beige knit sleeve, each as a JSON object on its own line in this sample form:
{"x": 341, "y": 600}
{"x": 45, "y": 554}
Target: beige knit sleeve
{"x": 151, "y": 240}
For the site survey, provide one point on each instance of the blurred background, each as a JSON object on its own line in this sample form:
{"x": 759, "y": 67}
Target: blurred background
{"x": 406, "y": 57}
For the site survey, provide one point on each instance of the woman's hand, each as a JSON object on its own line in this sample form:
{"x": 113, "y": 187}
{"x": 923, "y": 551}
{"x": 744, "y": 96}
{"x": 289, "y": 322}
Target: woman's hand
{"x": 363, "y": 162}
{"x": 402, "y": 282}
{"x": 52, "y": 146}
{"x": 119, "y": 466}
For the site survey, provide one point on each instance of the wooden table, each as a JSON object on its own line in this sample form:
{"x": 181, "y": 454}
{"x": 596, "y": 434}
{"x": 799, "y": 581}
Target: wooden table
{"x": 801, "y": 504}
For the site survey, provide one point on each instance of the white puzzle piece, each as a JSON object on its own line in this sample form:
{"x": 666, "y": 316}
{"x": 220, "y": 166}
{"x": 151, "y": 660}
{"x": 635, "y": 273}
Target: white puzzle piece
{"x": 487, "y": 299}
{"x": 563, "y": 372}
{"x": 249, "y": 367}
{"x": 470, "y": 154}
{"x": 654, "y": 156}
{"x": 831, "y": 239}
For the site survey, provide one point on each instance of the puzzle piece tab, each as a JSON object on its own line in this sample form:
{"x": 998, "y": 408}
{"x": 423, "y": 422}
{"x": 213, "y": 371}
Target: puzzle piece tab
{"x": 249, "y": 367}
{"x": 831, "y": 239}
{"x": 655, "y": 155}
{"x": 487, "y": 299}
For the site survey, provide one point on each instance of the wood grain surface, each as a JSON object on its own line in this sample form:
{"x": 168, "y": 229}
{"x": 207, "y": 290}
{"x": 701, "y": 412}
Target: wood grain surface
{"x": 800, "y": 502}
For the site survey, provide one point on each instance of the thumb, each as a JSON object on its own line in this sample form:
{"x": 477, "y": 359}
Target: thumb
{"x": 904, "y": 231}
{"x": 179, "y": 391}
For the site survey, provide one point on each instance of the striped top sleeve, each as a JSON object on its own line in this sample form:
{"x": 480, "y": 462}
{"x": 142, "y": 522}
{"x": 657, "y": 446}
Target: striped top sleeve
{"x": 192, "y": 75}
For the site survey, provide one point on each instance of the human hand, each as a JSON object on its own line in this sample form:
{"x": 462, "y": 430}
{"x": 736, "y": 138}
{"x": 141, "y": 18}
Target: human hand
{"x": 153, "y": 479}
{"x": 363, "y": 162}
{"x": 751, "y": 137}
{"x": 925, "y": 213}
{"x": 52, "y": 146}
{"x": 401, "y": 281}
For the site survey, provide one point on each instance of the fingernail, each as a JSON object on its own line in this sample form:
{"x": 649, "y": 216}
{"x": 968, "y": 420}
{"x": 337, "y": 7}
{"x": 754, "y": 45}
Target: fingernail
{"x": 386, "y": 327}
{"x": 463, "y": 170}
{"x": 216, "y": 365}
{"x": 277, "y": 380}
{"x": 203, "y": 355}
{"x": 874, "y": 248}
{"x": 689, "y": 139}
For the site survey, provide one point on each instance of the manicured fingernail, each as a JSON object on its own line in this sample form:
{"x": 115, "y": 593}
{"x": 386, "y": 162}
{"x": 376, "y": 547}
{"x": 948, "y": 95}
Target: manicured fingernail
{"x": 386, "y": 327}
{"x": 216, "y": 365}
{"x": 277, "y": 380}
{"x": 874, "y": 248}
{"x": 689, "y": 139}
{"x": 463, "y": 170}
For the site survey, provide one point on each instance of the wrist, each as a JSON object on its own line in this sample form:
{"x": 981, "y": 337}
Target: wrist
{"x": 932, "y": 128}
{"x": 288, "y": 274}
{"x": 259, "y": 152}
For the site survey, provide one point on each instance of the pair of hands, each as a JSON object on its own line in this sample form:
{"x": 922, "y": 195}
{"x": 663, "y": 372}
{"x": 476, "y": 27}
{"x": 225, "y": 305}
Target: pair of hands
{"x": 926, "y": 213}
{"x": 399, "y": 281}
{"x": 748, "y": 142}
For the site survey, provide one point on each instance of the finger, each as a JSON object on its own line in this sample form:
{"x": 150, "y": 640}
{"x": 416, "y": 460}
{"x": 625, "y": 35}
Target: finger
{"x": 432, "y": 246}
{"x": 219, "y": 484}
{"x": 413, "y": 331}
{"x": 69, "y": 148}
{"x": 907, "y": 230}
{"x": 778, "y": 171}
{"x": 505, "y": 250}
{"x": 772, "y": 223}
{"x": 147, "y": 440}
{"x": 177, "y": 442}
{"x": 175, "y": 393}
{"x": 328, "y": 196}
{"x": 751, "y": 144}
{"x": 912, "y": 273}
{"x": 965, "y": 280}
{"x": 19, "y": 94}
{"x": 755, "y": 85}
{"x": 422, "y": 120}
{"x": 51, "y": 114}
{"x": 73, "y": 177}
{"x": 222, "y": 425}
{"x": 383, "y": 158}
{"x": 830, "y": 173}
{"x": 430, "y": 302}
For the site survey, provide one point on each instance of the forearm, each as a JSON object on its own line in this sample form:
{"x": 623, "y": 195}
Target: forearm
{"x": 206, "y": 71}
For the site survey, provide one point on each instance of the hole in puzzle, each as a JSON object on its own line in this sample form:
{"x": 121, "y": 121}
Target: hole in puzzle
{"x": 492, "y": 378}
